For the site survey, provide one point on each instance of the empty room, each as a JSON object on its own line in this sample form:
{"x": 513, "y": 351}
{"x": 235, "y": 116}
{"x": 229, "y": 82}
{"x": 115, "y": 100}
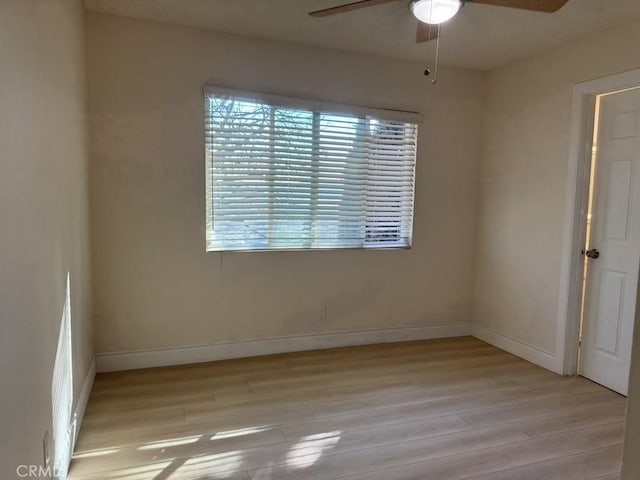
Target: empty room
{"x": 320, "y": 239}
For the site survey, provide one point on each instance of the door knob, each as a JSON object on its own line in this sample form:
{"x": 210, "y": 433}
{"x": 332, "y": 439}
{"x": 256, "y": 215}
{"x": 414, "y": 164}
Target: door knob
{"x": 593, "y": 253}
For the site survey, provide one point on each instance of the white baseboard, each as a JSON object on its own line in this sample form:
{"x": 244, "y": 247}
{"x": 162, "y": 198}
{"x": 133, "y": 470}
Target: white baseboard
{"x": 532, "y": 354}
{"x": 108, "y": 362}
{"x": 83, "y": 399}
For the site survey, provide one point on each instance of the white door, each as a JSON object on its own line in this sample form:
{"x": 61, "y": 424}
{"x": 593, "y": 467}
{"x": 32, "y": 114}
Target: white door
{"x": 612, "y": 277}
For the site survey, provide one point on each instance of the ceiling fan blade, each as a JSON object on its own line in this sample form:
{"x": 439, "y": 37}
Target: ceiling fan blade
{"x": 548, "y": 6}
{"x": 426, "y": 33}
{"x": 349, "y": 7}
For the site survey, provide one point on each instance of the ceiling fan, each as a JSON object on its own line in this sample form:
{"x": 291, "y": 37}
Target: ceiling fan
{"x": 435, "y": 12}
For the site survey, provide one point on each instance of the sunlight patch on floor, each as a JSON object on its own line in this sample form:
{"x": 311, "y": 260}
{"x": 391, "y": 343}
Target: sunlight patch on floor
{"x": 239, "y": 432}
{"x": 309, "y": 449}
{"x": 170, "y": 443}
{"x": 142, "y": 472}
{"x": 218, "y": 465}
{"x": 96, "y": 453}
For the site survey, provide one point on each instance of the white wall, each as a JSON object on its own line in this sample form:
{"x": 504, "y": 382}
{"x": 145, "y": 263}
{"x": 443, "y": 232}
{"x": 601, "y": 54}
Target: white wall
{"x": 523, "y": 177}
{"x": 154, "y": 284}
{"x": 43, "y": 215}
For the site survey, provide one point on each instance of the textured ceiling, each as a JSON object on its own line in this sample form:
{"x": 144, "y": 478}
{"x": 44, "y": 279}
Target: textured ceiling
{"x": 479, "y": 37}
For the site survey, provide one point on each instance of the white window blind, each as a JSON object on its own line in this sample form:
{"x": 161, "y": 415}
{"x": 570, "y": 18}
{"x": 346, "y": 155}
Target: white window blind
{"x": 294, "y": 174}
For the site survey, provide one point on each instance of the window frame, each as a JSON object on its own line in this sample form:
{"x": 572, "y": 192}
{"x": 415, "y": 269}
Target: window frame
{"x": 316, "y": 107}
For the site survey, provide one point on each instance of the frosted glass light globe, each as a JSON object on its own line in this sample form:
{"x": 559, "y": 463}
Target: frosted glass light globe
{"x": 435, "y": 11}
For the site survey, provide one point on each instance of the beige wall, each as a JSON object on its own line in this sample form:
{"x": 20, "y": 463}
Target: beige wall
{"x": 154, "y": 285}
{"x": 523, "y": 179}
{"x": 631, "y": 461}
{"x": 43, "y": 215}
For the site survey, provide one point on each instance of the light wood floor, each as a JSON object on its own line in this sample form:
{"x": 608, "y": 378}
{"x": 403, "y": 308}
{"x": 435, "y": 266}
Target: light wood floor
{"x": 435, "y": 410}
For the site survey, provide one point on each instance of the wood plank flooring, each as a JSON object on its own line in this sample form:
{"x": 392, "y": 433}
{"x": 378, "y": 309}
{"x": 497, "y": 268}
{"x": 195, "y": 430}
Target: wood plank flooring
{"x": 450, "y": 409}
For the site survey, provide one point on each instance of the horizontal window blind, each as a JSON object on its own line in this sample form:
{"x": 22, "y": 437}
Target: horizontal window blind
{"x": 283, "y": 174}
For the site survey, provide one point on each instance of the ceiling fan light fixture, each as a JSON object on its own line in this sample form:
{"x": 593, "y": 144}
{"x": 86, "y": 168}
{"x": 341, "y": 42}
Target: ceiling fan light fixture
{"x": 435, "y": 12}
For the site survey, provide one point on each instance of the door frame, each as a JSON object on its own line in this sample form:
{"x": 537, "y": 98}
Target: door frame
{"x": 575, "y": 224}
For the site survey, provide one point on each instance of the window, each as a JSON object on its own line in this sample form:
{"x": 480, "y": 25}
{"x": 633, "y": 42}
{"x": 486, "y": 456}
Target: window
{"x": 293, "y": 174}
